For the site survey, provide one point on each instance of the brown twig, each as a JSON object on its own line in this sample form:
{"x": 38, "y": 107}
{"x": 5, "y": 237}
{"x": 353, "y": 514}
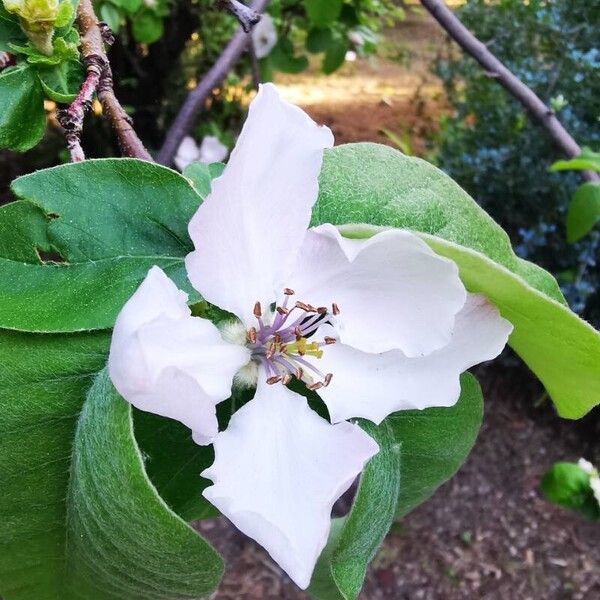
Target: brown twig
{"x": 246, "y": 15}
{"x": 98, "y": 80}
{"x": 197, "y": 97}
{"x": 543, "y": 114}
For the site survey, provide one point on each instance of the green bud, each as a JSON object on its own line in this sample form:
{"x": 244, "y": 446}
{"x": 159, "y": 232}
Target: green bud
{"x": 39, "y": 18}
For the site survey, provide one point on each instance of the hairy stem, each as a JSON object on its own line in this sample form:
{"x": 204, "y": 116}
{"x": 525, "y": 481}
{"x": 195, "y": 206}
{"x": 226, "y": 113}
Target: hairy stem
{"x": 543, "y": 114}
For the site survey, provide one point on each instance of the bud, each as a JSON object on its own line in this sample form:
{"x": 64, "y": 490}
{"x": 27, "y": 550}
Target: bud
{"x": 39, "y": 18}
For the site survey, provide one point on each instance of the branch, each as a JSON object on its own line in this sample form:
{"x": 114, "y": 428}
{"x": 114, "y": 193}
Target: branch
{"x": 98, "y": 80}
{"x": 543, "y": 114}
{"x": 197, "y": 97}
{"x": 246, "y": 16}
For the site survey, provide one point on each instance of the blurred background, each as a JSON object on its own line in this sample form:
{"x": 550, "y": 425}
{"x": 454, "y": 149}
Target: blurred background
{"x": 384, "y": 71}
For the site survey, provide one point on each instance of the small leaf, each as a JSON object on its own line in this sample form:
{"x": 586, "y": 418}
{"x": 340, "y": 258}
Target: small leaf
{"x": 62, "y": 82}
{"x": 111, "y": 15}
{"x": 335, "y": 55}
{"x": 201, "y": 175}
{"x": 323, "y": 12}
{"x": 10, "y": 31}
{"x": 282, "y": 57}
{"x": 584, "y": 211}
{"x": 567, "y": 484}
{"x": 318, "y": 40}
{"x": 586, "y": 161}
{"x": 147, "y": 27}
{"x": 22, "y": 117}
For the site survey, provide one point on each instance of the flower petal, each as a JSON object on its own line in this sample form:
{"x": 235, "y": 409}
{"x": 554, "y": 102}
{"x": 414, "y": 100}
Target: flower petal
{"x": 248, "y": 231}
{"x": 376, "y": 385}
{"x": 163, "y": 360}
{"x": 393, "y": 291}
{"x": 187, "y": 153}
{"x": 279, "y": 468}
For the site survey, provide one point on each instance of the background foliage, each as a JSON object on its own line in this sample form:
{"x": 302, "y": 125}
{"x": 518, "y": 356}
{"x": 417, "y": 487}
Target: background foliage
{"x": 493, "y": 149}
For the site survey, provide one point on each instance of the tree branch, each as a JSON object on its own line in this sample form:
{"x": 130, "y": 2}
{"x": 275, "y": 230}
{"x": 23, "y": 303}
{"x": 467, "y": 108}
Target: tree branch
{"x": 197, "y": 97}
{"x": 98, "y": 80}
{"x": 543, "y": 114}
{"x": 246, "y": 16}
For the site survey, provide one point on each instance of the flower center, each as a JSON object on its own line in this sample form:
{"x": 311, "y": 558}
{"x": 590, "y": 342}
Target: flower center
{"x": 282, "y": 347}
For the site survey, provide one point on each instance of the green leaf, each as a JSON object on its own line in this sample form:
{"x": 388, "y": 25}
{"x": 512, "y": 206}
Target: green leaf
{"x": 200, "y": 176}
{"x": 318, "y": 40}
{"x": 173, "y": 463}
{"x": 147, "y": 27}
{"x": 584, "y": 211}
{"x": 110, "y": 220}
{"x": 435, "y": 443}
{"x": 586, "y": 161}
{"x": 567, "y": 484}
{"x": 335, "y": 55}
{"x": 400, "y": 191}
{"x": 23, "y": 232}
{"x": 44, "y": 379}
{"x": 323, "y": 12}
{"x": 420, "y": 450}
{"x": 123, "y": 542}
{"x": 282, "y": 57}
{"x": 372, "y": 513}
{"x": 61, "y": 83}
{"x": 22, "y": 118}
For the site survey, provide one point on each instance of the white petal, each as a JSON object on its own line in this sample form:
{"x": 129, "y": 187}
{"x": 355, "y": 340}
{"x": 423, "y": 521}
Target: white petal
{"x": 264, "y": 36}
{"x": 279, "y": 468}
{"x": 393, "y": 291}
{"x": 376, "y": 385}
{"x": 212, "y": 150}
{"x": 163, "y": 360}
{"x": 248, "y": 231}
{"x": 187, "y": 153}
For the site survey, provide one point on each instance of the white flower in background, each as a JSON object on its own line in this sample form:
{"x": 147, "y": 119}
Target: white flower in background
{"x": 211, "y": 150}
{"x": 372, "y": 325}
{"x": 264, "y": 36}
{"x": 589, "y": 468}
{"x": 350, "y": 56}
{"x": 356, "y": 37}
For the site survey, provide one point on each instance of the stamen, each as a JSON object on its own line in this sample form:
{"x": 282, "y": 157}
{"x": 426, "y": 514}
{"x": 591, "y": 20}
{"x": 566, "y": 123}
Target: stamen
{"x": 322, "y": 310}
{"x": 335, "y": 309}
{"x": 275, "y": 379}
{"x": 282, "y": 311}
{"x": 252, "y": 335}
{"x": 288, "y": 292}
{"x": 305, "y": 307}
{"x": 315, "y": 386}
{"x": 327, "y": 379}
{"x": 257, "y": 310}
{"x": 329, "y": 340}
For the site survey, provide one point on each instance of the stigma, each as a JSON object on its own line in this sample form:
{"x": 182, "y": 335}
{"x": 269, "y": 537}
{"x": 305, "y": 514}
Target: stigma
{"x": 283, "y": 341}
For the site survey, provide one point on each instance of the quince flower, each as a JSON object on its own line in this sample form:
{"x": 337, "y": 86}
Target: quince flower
{"x": 594, "y": 476}
{"x": 264, "y": 36}
{"x": 372, "y": 325}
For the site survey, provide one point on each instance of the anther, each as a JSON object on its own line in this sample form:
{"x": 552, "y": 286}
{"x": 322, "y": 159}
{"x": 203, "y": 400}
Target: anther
{"x": 274, "y": 379}
{"x": 329, "y": 340}
{"x": 286, "y": 379}
{"x": 257, "y": 310}
{"x": 322, "y": 310}
{"x": 327, "y": 379}
{"x": 297, "y": 332}
{"x": 252, "y": 335}
{"x": 335, "y": 309}
{"x": 282, "y": 311}
{"x": 299, "y": 373}
{"x": 303, "y": 306}
{"x": 315, "y": 386}
{"x": 288, "y": 292}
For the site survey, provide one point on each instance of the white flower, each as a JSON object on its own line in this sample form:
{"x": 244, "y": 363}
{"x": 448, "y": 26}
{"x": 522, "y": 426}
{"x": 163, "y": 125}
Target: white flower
{"x": 211, "y": 150}
{"x": 264, "y": 36}
{"x": 350, "y": 56}
{"x": 595, "y": 485}
{"x": 587, "y": 466}
{"x": 356, "y": 37}
{"x": 373, "y": 325}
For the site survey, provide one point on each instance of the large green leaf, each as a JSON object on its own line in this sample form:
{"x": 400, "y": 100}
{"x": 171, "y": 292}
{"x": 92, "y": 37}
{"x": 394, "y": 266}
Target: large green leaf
{"x": 22, "y": 117}
{"x": 369, "y": 183}
{"x": 10, "y": 32}
{"x": 323, "y": 12}
{"x": 420, "y": 450}
{"x": 587, "y": 160}
{"x": 110, "y": 220}
{"x": 584, "y": 211}
{"x": 123, "y": 542}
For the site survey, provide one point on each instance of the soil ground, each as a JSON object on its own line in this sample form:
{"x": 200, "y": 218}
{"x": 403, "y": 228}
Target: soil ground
{"x": 487, "y": 534}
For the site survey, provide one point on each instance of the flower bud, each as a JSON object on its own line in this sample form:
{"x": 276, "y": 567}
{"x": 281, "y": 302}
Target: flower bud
{"x": 39, "y": 18}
